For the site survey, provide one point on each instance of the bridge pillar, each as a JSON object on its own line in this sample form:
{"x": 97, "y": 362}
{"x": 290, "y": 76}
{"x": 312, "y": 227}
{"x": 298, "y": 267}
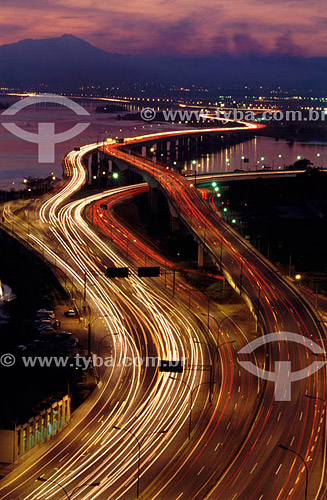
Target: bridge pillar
{"x": 164, "y": 148}
{"x": 148, "y": 151}
{"x": 94, "y": 167}
{"x": 174, "y": 223}
{"x": 185, "y": 145}
{"x": 153, "y": 197}
{"x": 193, "y": 144}
{"x": 159, "y": 150}
{"x": 172, "y": 149}
{"x": 200, "y": 255}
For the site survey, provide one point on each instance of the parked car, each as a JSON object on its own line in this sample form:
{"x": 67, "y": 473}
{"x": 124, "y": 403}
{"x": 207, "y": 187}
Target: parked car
{"x": 35, "y": 344}
{"x": 42, "y": 313}
{"x": 73, "y": 341}
{"x": 71, "y": 313}
{"x": 63, "y": 336}
{"x": 46, "y": 329}
{"x": 39, "y": 322}
{"x": 20, "y": 348}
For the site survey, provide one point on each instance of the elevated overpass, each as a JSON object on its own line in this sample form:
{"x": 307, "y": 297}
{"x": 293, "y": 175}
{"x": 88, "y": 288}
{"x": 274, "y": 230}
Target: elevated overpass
{"x": 277, "y": 306}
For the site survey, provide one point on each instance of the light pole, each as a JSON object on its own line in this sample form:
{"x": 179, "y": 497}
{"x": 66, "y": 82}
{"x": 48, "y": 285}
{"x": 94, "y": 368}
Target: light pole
{"x": 282, "y": 156}
{"x": 105, "y": 336}
{"x": 220, "y": 322}
{"x": 213, "y": 357}
{"x": 242, "y": 263}
{"x": 45, "y": 480}
{"x": 191, "y": 400}
{"x": 224, "y": 319}
{"x": 194, "y": 162}
{"x": 97, "y": 483}
{"x": 89, "y": 332}
{"x": 139, "y": 444}
{"x": 285, "y": 448}
{"x": 317, "y": 398}
{"x": 99, "y": 347}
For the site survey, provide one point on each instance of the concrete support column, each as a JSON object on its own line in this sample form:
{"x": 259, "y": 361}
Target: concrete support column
{"x": 174, "y": 223}
{"x": 172, "y": 149}
{"x": 164, "y": 148}
{"x": 200, "y": 255}
{"x": 153, "y": 198}
{"x": 159, "y": 150}
{"x": 148, "y": 151}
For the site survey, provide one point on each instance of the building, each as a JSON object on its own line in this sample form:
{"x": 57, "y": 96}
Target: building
{"x": 15, "y": 442}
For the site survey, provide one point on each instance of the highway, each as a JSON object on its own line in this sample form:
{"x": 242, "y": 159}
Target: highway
{"x": 280, "y": 307}
{"x": 234, "y": 451}
{"x": 147, "y": 323}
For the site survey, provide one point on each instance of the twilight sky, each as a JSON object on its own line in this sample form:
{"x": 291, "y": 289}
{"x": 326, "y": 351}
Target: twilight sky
{"x": 167, "y": 27}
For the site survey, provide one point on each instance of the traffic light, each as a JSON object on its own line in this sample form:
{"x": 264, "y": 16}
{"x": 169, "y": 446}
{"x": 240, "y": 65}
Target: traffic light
{"x": 115, "y": 175}
{"x": 117, "y": 272}
{"x": 170, "y": 366}
{"x": 148, "y": 272}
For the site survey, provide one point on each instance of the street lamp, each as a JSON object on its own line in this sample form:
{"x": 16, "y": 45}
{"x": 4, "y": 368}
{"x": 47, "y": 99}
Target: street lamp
{"x": 285, "y": 448}
{"x": 139, "y": 444}
{"x": 45, "y": 480}
{"x": 298, "y": 278}
{"x": 89, "y": 334}
{"x": 213, "y": 357}
{"x": 317, "y": 398}
{"x": 241, "y": 273}
{"x": 105, "y": 336}
{"x": 224, "y": 319}
{"x": 191, "y": 400}
{"x": 194, "y": 162}
{"x": 97, "y": 483}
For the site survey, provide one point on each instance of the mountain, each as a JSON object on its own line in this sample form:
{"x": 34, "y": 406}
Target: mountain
{"x": 67, "y": 62}
{"x": 62, "y": 60}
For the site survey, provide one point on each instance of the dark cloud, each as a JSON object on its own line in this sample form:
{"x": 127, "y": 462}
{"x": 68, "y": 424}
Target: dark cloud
{"x": 173, "y": 26}
{"x": 6, "y": 29}
{"x": 285, "y": 46}
{"x": 244, "y": 43}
